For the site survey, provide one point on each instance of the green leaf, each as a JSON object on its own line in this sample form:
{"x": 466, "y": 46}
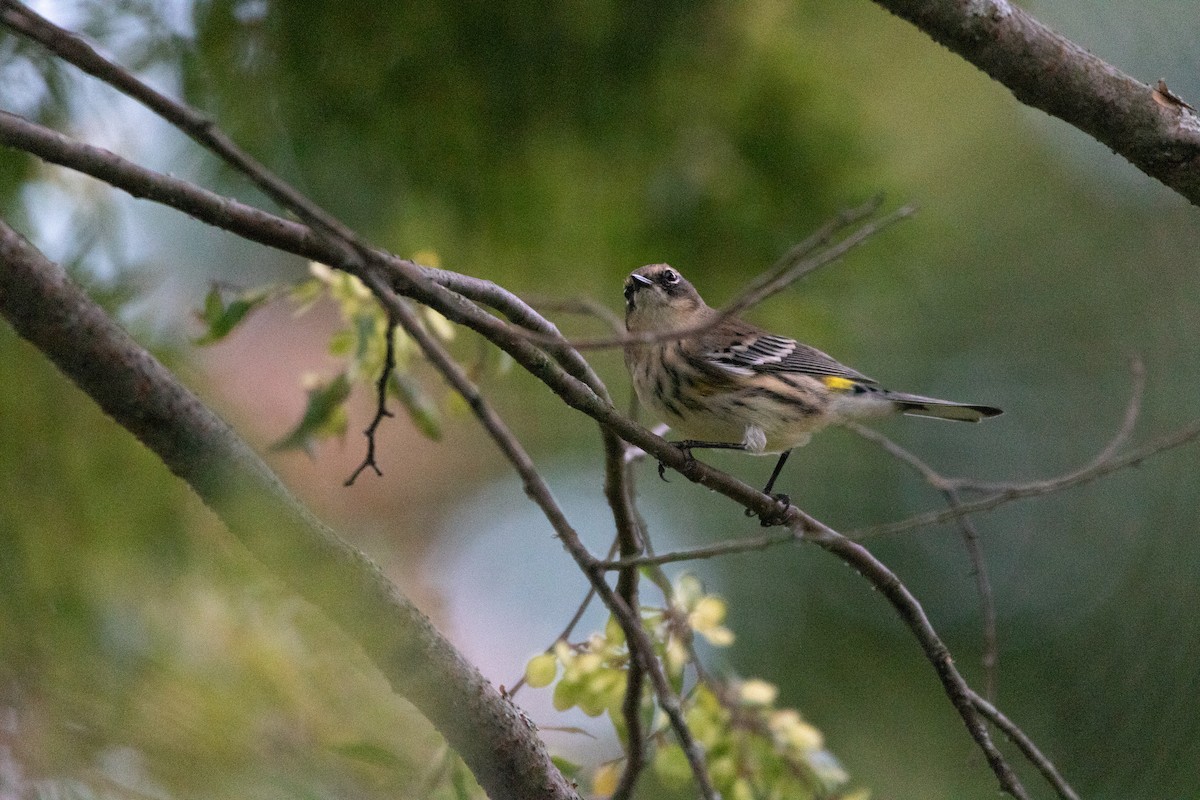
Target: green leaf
{"x": 368, "y": 329}
{"x": 325, "y": 416}
{"x": 221, "y": 319}
{"x": 341, "y": 343}
{"x": 422, "y": 410}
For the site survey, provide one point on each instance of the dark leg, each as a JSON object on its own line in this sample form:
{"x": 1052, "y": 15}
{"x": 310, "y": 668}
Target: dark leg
{"x": 783, "y": 457}
{"x": 784, "y": 500}
{"x": 687, "y": 445}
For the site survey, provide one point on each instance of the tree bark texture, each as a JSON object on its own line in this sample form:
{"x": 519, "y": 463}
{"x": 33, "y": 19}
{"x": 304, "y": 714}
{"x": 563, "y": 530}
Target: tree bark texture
{"x": 1153, "y": 130}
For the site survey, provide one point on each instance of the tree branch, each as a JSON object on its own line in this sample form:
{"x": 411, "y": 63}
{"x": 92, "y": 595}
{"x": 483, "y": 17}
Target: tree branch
{"x": 44, "y": 307}
{"x": 1026, "y": 746}
{"x": 1047, "y": 71}
{"x": 906, "y": 605}
{"x": 631, "y": 533}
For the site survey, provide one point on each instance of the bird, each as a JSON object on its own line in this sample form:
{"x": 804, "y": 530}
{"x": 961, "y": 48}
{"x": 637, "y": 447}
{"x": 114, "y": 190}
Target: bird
{"x": 724, "y": 383}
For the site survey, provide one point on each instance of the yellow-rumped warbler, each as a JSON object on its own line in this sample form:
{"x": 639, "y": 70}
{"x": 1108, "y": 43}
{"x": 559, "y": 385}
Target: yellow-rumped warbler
{"x": 734, "y": 386}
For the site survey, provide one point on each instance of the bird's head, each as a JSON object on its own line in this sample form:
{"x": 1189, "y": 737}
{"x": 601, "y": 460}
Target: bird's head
{"x": 658, "y": 298}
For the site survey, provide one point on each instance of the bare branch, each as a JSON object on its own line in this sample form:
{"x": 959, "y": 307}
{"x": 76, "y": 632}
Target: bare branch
{"x": 631, "y": 541}
{"x": 1105, "y": 463}
{"x": 1048, "y": 71}
{"x": 910, "y": 611}
{"x": 584, "y": 306}
{"x": 949, "y": 489}
{"x": 1185, "y": 435}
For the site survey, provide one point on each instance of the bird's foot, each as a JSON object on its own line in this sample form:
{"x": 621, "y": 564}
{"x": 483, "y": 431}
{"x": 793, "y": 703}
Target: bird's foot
{"x": 777, "y": 515}
{"x": 687, "y": 453}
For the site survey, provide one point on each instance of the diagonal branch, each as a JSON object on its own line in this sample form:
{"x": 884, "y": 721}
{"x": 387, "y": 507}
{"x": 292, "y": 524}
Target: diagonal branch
{"x": 1026, "y": 746}
{"x": 909, "y": 609}
{"x": 41, "y": 303}
{"x": 803, "y": 258}
{"x": 565, "y": 382}
{"x": 356, "y": 256}
{"x": 1147, "y": 126}
{"x": 1004, "y": 494}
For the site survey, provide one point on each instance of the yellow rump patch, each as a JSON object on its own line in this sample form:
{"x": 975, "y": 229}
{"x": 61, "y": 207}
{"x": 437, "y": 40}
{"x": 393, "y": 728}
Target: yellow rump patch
{"x": 838, "y": 384}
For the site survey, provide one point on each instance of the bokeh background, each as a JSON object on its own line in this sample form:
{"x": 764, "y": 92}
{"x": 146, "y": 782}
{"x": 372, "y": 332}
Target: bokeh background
{"x": 552, "y": 147}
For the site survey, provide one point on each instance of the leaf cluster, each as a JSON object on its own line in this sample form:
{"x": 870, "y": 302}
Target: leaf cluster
{"x": 756, "y": 750}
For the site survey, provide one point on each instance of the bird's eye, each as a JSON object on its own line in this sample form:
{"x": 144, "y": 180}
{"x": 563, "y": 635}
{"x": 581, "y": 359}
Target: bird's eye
{"x": 670, "y": 277}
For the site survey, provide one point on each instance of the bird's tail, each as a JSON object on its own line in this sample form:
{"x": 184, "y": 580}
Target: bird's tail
{"x": 917, "y": 406}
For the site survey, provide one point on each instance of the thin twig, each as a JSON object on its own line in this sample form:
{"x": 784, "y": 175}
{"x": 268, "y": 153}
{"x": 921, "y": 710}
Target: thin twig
{"x": 1007, "y": 494}
{"x": 582, "y": 306}
{"x": 381, "y": 411}
{"x": 909, "y": 609}
{"x": 990, "y": 656}
{"x": 1026, "y": 746}
{"x": 631, "y": 541}
{"x": 950, "y": 491}
{"x": 729, "y": 547}
{"x": 774, "y": 280}
{"x": 570, "y": 626}
{"x": 1137, "y": 392}
{"x": 1169, "y": 441}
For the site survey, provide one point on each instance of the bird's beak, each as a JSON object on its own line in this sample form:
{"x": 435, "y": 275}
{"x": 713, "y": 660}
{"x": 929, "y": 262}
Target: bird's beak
{"x": 634, "y": 283}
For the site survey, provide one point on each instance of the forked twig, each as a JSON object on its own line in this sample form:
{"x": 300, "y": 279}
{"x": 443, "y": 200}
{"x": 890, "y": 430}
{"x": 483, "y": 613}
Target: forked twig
{"x": 1026, "y": 746}
{"x": 381, "y": 410}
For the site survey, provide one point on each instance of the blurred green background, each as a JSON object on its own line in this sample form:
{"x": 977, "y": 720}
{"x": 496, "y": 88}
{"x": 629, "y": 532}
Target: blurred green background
{"x": 553, "y": 147}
